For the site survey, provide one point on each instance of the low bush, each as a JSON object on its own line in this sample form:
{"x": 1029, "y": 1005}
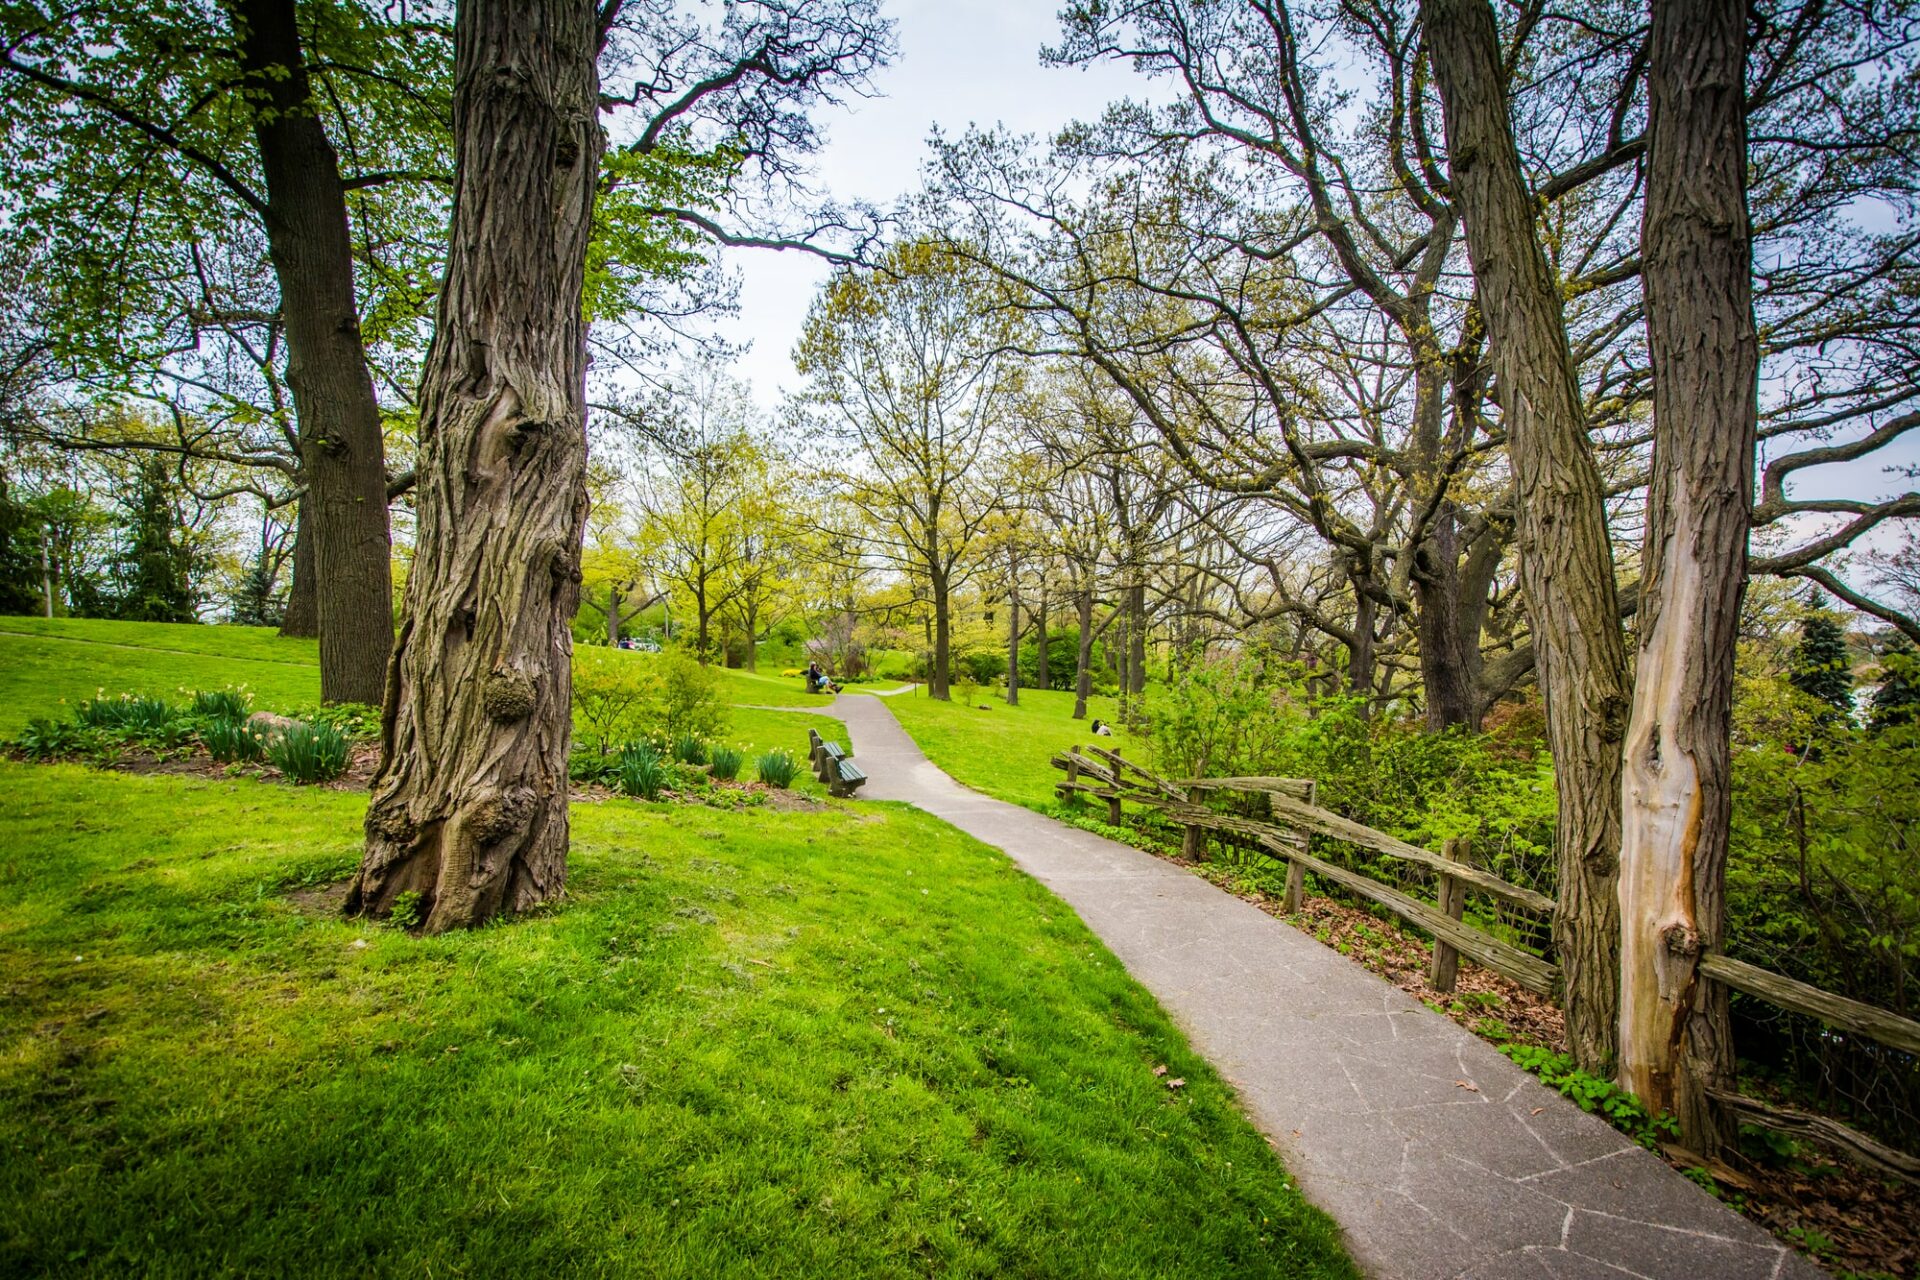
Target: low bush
{"x": 726, "y": 761}
{"x": 233, "y": 741}
{"x": 45, "y": 739}
{"x": 219, "y": 704}
{"x": 640, "y": 772}
{"x": 309, "y": 753}
{"x": 778, "y": 769}
{"x": 689, "y": 749}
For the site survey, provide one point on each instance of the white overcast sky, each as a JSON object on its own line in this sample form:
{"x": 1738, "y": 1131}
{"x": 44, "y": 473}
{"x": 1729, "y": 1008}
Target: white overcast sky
{"x": 961, "y": 62}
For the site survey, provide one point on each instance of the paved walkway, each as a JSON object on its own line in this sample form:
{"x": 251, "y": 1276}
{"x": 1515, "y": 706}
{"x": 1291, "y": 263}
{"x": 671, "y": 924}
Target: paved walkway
{"x": 1437, "y": 1156}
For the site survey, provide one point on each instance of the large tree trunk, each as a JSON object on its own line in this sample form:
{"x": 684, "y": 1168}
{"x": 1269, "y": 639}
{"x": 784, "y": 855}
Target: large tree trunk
{"x": 469, "y": 808}
{"x": 302, "y": 617}
{"x": 344, "y": 511}
{"x": 613, "y": 615}
{"x": 1566, "y": 564}
{"x": 1083, "y": 661}
{"x": 1360, "y": 653}
{"x": 1675, "y": 1041}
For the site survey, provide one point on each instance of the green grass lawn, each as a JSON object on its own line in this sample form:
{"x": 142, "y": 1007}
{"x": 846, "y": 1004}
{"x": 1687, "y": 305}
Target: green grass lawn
{"x": 848, "y": 1042}
{"x": 1005, "y": 751}
{"x": 44, "y": 663}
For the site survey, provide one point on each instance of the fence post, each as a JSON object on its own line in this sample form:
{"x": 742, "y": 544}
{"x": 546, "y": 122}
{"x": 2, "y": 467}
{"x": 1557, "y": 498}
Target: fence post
{"x": 1296, "y": 873}
{"x": 1193, "y": 845}
{"x": 1453, "y": 901}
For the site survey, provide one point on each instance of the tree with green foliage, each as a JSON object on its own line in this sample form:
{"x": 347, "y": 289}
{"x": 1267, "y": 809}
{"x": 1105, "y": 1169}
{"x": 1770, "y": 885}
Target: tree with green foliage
{"x": 21, "y": 583}
{"x": 154, "y": 566}
{"x": 1897, "y": 699}
{"x": 1820, "y": 666}
{"x": 210, "y": 183}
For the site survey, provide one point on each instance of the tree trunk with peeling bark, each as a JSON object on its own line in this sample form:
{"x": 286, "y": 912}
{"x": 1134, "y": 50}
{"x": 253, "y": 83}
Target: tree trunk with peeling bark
{"x": 1675, "y": 1040}
{"x": 1566, "y": 563}
{"x": 469, "y": 808}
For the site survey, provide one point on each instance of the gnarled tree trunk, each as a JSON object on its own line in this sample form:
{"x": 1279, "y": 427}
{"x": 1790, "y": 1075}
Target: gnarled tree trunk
{"x": 1675, "y": 1041}
{"x": 1566, "y": 564}
{"x": 343, "y": 514}
{"x": 469, "y": 808}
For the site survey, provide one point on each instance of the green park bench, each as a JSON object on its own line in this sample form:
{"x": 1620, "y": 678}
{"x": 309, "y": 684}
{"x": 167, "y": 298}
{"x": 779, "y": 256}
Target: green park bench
{"x": 833, "y": 765}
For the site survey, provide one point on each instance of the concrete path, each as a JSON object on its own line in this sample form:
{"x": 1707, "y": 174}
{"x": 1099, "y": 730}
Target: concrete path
{"x": 1437, "y": 1156}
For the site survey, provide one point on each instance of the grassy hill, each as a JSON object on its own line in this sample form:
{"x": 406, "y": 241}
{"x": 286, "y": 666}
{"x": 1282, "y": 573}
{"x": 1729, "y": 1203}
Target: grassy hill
{"x": 1005, "y": 751}
{"x": 45, "y": 663}
{"x": 847, "y": 1041}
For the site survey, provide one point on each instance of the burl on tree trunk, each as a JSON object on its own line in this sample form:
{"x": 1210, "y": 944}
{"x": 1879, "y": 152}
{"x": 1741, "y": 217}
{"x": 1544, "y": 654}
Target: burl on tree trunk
{"x": 469, "y": 808}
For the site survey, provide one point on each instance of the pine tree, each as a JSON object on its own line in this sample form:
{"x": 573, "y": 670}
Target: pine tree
{"x": 1821, "y": 667}
{"x": 1897, "y": 700}
{"x": 154, "y": 568}
{"x": 259, "y": 602}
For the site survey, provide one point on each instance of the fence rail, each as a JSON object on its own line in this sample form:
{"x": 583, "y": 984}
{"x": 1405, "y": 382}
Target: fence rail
{"x": 1288, "y": 817}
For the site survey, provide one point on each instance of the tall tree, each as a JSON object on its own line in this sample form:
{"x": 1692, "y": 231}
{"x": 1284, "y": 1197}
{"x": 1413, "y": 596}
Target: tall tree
{"x": 1675, "y": 1038}
{"x": 906, "y": 366}
{"x": 469, "y": 808}
{"x": 160, "y": 145}
{"x": 1566, "y": 561}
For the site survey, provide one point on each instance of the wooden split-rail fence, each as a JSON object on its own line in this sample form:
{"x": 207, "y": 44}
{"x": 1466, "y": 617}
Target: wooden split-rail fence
{"x": 1281, "y": 821}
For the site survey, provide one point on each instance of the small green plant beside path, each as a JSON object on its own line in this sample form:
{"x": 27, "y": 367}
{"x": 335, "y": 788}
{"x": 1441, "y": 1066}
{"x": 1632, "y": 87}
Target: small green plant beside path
{"x": 846, "y": 1042}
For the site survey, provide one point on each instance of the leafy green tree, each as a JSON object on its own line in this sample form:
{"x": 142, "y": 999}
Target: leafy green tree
{"x": 152, "y": 574}
{"x": 1820, "y": 666}
{"x": 20, "y": 579}
{"x": 1897, "y": 700}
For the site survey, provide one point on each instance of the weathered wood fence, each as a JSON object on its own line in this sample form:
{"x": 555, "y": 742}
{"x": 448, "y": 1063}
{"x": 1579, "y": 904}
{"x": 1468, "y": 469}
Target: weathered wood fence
{"x": 1282, "y": 820}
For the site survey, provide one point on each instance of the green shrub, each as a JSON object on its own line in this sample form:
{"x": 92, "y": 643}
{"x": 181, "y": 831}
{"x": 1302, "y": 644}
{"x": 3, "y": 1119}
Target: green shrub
{"x": 233, "y": 741}
{"x": 409, "y": 908}
{"x": 778, "y": 769}
{"x": 592, "y": 766}
{"x": 1592, "y": 1094}
{"x": 150, "y": 717}
{"x": 45, "y": 739}
{"x": 219, "y": 704}
{"x": 687, "y": 701}
{"x": 689, "y": 749}
{"x": 641, "y": 772}
{"x": 309, "y": 753}
{"x": 726, "y": 762}
{"x": 103, "y": 713}
{"x": 353, "y": 719}
{"x": 612, "y": 692}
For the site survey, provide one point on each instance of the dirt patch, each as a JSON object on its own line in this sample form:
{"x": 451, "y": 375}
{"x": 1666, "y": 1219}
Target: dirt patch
{"x": 363, "y": 758}
{"x": 326, "y": 901}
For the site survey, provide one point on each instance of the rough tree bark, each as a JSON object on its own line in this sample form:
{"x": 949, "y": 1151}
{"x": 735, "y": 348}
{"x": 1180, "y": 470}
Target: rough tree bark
{"x": 303, "y": 606}
{"x": 1566, "y": 564}
{"x": 469, "y": 808}
{"x": 1675, "y": 1041}
{"x": 344, "y": 510}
